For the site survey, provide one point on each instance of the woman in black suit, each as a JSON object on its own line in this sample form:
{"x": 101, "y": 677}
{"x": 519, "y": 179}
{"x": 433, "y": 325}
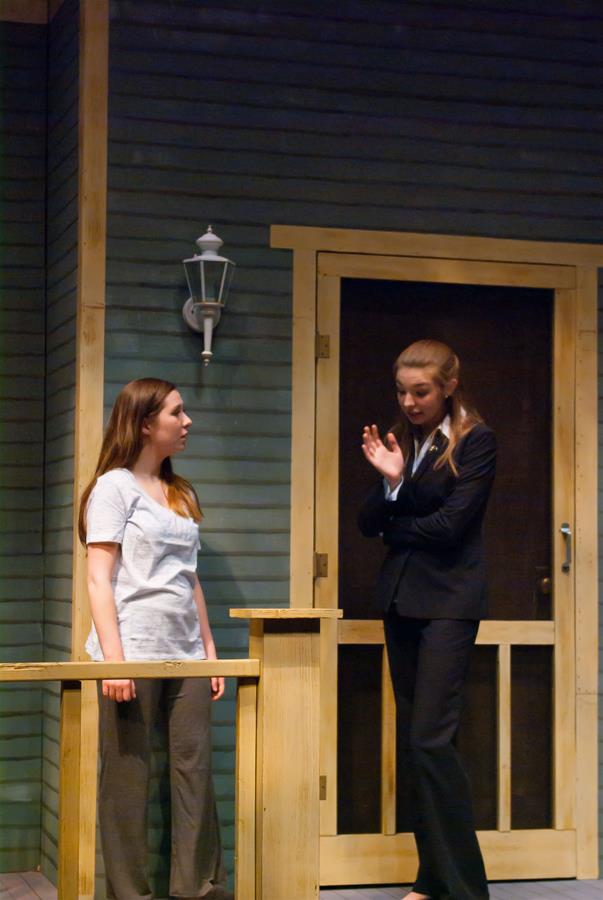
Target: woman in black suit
{"x": 437, "y": 467}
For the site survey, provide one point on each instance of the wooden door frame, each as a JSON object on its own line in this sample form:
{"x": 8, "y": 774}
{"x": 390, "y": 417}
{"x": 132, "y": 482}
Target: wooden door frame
{"x": 516, "y": 261}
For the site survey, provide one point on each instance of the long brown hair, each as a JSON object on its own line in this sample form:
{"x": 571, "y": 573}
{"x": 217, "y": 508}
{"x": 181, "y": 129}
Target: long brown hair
{"x": 138, "y": 401}
{"x": 445, "y": 366}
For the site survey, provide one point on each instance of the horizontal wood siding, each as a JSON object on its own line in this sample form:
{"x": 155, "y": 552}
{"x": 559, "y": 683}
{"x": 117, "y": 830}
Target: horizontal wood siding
{"x": 62, "y": 167}
{"x": 22, "y": 277}
{"x": 465, "y": 118}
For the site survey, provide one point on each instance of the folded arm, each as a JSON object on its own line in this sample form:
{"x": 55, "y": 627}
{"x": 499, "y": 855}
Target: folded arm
{"x": 376, "y": 511}
{"x": 446, "y": 527}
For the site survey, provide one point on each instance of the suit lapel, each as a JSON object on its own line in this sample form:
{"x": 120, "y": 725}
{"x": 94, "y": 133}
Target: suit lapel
{"x": 434, "y": 451}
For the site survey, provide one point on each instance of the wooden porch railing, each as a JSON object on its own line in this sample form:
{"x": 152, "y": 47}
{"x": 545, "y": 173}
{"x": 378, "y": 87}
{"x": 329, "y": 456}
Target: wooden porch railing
{"x": 277, "y": 748}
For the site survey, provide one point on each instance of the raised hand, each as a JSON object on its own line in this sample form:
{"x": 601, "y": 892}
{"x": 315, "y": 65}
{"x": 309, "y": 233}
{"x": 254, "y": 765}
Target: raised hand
{"x": 386, "y": 457}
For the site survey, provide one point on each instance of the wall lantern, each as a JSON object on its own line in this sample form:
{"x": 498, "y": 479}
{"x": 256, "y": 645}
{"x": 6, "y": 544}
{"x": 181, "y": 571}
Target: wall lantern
{"x": 208, "y": 276}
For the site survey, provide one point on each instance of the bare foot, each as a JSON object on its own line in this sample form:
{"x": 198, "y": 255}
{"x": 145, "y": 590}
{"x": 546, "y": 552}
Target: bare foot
{"x": 414, "y": 896}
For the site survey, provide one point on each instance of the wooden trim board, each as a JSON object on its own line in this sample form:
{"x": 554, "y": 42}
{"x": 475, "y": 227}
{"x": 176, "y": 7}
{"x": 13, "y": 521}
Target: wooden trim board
{"x": 408, "y": 243}
{"x": 391, "y": 859}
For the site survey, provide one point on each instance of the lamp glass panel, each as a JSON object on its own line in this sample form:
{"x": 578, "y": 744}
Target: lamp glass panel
{"x": 208, "y": 279}
{"x": 192, "y": 271}
{"x": 227, "y": 279}
{"x": 213, "y": 280}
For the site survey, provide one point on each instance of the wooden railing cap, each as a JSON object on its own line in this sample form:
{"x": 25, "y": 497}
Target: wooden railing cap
{"x": 287, "y": 613}
{"x": 94, "y": 671}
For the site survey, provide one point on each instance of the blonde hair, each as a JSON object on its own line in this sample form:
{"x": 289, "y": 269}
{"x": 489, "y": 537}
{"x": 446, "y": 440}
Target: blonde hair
{"x": 138, "y": 401}
{"x": 445, "y": 367}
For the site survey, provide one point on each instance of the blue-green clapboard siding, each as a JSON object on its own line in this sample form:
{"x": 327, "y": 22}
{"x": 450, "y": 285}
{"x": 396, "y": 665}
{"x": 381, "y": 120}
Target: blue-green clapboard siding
{"x": 22, "y": 277}
{"x": 61, "y": 248}
{"x": 466, "y": 118}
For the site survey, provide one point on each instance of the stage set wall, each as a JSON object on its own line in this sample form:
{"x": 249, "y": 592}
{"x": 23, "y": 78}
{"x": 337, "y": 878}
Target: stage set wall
{"x": 38, "y": 269}
{"x": 416, "y": 116}
{"x": 22, "y": 369}
{"x": 61, "y": 300}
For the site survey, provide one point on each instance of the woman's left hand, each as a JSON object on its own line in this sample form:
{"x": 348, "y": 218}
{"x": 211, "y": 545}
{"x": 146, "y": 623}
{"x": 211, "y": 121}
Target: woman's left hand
{"x": 217, "y": 687}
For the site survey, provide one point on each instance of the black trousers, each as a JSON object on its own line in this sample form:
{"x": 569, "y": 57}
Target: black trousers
{"x": 428, "y": 659}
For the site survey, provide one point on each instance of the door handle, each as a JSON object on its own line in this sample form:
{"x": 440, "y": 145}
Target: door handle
{"x": 566, "y": 531}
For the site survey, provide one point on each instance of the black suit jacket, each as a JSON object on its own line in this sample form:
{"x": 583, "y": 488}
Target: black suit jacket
{"x": 434, "y": 568}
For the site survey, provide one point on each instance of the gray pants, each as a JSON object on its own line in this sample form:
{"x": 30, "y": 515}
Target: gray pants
{"x": 125, "y": 733}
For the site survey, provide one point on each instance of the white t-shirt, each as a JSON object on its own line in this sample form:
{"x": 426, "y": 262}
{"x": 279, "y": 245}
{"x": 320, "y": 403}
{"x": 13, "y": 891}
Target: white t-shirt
{"x": 154, "y": 574}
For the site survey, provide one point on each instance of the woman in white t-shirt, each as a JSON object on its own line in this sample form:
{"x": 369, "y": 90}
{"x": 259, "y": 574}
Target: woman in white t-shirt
{"x": 139, "y": 522}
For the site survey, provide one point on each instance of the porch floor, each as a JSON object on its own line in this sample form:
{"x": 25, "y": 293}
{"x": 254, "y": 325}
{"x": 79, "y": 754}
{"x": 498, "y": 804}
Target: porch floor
{"x": 33, "y": 886}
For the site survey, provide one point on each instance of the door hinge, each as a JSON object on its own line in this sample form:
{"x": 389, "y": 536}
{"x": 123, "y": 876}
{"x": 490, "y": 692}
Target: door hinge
{"x": 323, "y": 346}
{"x": 323, "y": 787}
{"x": 321, "y": 565}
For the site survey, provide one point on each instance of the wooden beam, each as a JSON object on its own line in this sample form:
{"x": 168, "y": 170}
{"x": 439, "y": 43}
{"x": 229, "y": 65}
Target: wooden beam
{"x": 453, "y": 271}
{"x": 408, "y": 243}
{"x": 89, "y": 378}
{"x": 286, "y": 612}
{"x": 70, "y": 790}
{"x": 93, "y": 671}
{"x": 246, "y": 763}
{"x": 329, "y": 658}
{"x": 391, "y": 859}
{"x": 326, "y": 490}
{"x": 523, "y": 632}
{"x": 504, "y": 737}
{"x": 90, "y": 317}
{"x": 303, "y": 375}
{"x": 388, "y": 749}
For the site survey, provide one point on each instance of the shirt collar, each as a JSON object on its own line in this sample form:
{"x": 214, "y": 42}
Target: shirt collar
{"x": 444, "y": 427}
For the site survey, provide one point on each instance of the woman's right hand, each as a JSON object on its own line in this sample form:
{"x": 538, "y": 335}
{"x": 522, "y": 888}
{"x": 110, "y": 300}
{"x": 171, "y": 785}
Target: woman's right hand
{"x": 119, "y": 689}
{"x": 388, "y": 460}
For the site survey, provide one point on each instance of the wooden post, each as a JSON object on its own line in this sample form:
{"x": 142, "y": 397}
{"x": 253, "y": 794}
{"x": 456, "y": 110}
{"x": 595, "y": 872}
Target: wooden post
{"x": 69, "y": 789}
{"x": 287, "y": 642}
{"x": 88, "y": 424}
{"x": 246, "y": 761}
{"x": 303, "y": 427}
